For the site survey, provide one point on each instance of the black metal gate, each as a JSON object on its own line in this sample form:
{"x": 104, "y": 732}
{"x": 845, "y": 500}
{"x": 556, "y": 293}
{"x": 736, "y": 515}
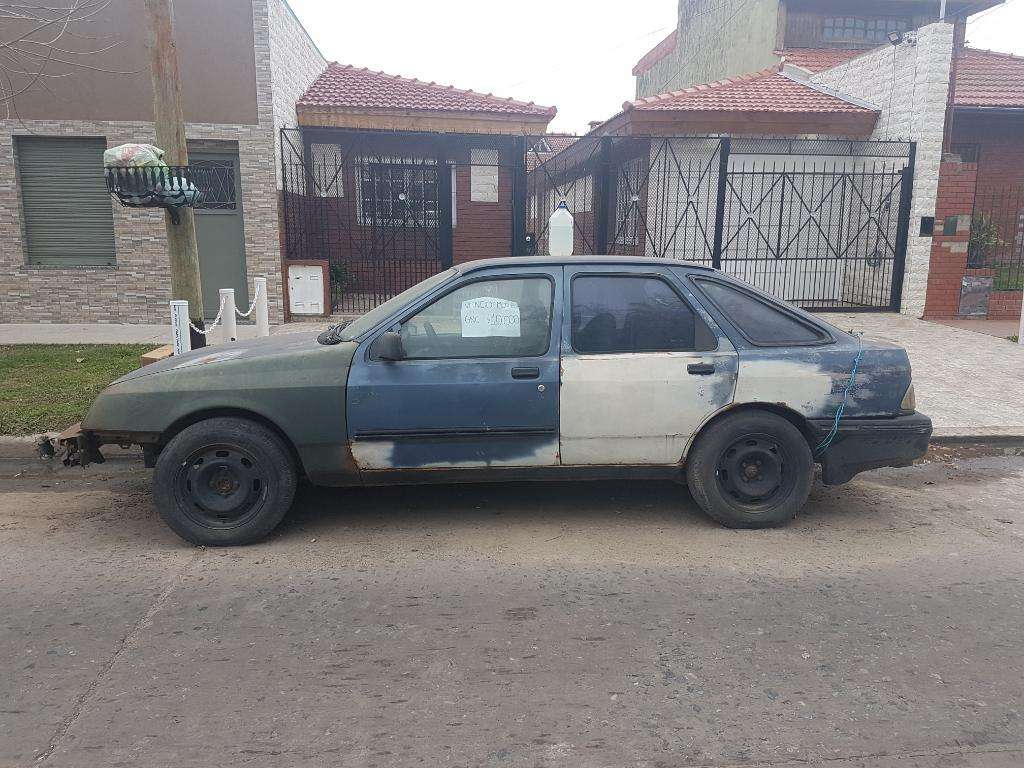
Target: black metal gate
{"x": 819, "y": 222}
{"x": 822, "y": 223}
{"x": 375, "y": 211}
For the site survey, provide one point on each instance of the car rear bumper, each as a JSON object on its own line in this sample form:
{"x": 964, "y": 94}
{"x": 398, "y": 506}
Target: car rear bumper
{"x": 862, "y": 444}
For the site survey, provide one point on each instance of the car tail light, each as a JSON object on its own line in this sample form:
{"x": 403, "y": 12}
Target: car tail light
{"x": 909, "y": 400}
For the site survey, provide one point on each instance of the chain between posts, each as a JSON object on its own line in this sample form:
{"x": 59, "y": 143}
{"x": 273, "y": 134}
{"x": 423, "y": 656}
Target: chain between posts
{"x": 255, "y": 298}
{"x": 216, "y": 321}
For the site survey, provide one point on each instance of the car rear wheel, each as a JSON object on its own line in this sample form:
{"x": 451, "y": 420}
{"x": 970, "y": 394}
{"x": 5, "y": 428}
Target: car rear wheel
{"x": 224, "y": 481}
{"x": 750, "y": 470}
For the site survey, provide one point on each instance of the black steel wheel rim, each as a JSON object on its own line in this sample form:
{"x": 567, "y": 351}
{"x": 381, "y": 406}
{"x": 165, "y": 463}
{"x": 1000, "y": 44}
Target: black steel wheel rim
{"x": 754, "y": 472}
{"x": 221, "y": 486}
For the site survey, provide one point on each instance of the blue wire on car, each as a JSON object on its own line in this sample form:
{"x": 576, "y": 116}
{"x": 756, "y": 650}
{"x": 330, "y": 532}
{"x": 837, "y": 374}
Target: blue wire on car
{"x": 824, "y": 444}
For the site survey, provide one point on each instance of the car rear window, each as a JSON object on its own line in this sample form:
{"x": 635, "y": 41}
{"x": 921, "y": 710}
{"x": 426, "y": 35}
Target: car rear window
{"x": 758, "y": 320}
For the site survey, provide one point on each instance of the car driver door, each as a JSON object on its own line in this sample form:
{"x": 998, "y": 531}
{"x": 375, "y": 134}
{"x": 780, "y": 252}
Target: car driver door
{"x": 476, "y": 383}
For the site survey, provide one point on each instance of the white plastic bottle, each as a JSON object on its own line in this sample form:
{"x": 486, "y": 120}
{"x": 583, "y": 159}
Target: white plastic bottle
{"x": 560, "y": 231}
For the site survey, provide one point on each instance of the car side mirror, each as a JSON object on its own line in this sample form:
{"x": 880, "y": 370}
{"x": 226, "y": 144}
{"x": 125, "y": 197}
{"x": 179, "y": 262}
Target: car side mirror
{"x": 388, "y": 346}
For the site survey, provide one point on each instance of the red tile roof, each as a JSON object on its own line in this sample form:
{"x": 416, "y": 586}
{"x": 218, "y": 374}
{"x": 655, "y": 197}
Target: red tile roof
{"x": 817, "y": 59}
{"x": 989, "y": 79}
{"x": 346, "y": 87}
{"x": 983, "y": 78}
{"x": 657, "y": 53}
{"x": 766, "y": 91}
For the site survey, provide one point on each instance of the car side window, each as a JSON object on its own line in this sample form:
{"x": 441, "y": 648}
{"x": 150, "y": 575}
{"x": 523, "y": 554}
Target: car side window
{"x": 759, "y": 321}
{"x": 487, "y": 318}
{"x": 622, "y": 313}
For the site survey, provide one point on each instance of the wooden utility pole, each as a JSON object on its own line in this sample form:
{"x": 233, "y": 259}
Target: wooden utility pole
{"x": 170, "y": 137}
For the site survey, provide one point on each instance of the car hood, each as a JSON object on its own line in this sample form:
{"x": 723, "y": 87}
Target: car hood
{"x": 269, "y": 347}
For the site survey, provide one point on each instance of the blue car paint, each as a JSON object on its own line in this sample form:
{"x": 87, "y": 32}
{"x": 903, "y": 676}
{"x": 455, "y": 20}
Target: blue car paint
{"x": 884, "y": 374}
{"x": 456, "y": 412}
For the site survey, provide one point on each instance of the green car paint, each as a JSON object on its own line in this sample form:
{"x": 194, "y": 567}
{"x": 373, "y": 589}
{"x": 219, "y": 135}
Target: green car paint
{"x": 290, "y": 381}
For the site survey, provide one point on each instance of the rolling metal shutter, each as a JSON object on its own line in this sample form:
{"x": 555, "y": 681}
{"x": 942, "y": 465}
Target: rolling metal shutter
{"x": 66, "y": 209}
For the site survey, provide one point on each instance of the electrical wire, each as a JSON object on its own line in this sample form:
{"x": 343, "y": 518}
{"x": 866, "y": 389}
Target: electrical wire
{"x": 824, "y": 444}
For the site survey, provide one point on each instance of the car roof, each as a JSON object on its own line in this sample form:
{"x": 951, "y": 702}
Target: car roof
{"x": 520, "y": 261}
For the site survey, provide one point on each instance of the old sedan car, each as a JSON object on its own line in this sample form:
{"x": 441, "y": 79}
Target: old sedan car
{"x": 521, "y": 369}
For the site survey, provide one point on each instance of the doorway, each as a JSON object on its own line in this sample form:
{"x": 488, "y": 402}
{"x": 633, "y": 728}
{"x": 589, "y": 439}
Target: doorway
{"x": 220, "y": 234}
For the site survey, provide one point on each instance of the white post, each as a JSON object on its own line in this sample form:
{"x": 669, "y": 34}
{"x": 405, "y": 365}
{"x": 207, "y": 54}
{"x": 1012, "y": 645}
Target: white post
{"x": 262, "y": 311}
{"x": 228, "y": 323}
{"x": 1020, "y": 329}
{"x": 181, "y": 341}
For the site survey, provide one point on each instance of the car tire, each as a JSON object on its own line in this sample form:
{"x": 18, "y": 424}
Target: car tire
{"x": 224, "y": 482}
{"x": 750, "y": 470}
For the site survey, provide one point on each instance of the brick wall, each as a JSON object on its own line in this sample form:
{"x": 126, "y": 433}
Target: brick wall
{"x": 909, "y": 84}
{"x": 1000, "y": 141}
{"x": 955, "y": 199}
{"x": 993, "y": 186}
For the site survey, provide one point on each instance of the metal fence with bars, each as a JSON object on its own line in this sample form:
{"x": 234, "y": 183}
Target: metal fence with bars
{"x": 820, "y": 222}
{"x": 996, "y": 245}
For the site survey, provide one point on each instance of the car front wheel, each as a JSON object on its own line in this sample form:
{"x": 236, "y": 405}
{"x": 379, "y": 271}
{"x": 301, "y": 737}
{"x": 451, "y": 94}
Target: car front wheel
{"x": 750, "y": 470}
{"x": 224, "y": 481}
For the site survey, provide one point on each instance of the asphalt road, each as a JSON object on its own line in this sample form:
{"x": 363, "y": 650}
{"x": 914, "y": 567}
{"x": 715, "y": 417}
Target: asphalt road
{"x": 540, "y": 625}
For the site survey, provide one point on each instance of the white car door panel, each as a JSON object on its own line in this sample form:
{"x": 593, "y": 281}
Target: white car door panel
{"x": 636, "y": 407}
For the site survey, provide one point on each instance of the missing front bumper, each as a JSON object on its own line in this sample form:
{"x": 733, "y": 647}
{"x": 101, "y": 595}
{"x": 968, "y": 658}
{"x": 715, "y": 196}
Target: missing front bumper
{"x": 76, "y": 447}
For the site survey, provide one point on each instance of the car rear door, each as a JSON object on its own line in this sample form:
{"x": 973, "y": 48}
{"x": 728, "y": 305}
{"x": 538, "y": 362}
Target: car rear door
{"x": 478, "y": 386}
{"x": 643, "y": 366}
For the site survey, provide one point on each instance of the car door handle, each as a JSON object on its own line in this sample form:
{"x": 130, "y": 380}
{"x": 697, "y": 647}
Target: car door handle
{"x": 701, "y": 369}
{"x": 526, "y": 373}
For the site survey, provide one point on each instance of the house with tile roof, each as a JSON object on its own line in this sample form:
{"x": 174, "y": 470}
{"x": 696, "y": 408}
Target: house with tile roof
{"x": 875, "y": 71}
{"x": 392, "y": 179}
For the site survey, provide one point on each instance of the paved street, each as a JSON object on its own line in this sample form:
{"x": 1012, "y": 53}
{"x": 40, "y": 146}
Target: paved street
{"x": 537, "y": 625}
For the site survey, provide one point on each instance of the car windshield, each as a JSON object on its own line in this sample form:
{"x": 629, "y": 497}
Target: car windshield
{"x": 365, "y": 322}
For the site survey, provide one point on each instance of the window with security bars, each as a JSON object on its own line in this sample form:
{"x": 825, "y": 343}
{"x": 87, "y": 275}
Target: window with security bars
{"x": 861, "y": 29}
{"x": 399, "y": 192}
{"x": 216, "y": 181}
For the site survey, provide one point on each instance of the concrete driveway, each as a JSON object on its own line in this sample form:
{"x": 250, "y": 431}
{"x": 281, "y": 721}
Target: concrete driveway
{"x": 969, "y": 383}
{"x": 539, "y": 625}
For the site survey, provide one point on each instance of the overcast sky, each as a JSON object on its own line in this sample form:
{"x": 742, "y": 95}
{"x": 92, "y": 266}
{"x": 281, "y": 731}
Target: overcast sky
{"x": 573, "y": 54}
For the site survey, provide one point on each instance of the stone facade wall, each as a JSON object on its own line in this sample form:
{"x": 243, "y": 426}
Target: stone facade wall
{"x": 137, "y": 289}
{"x": 295, "y": 62}
{"x": 910, "y": 85}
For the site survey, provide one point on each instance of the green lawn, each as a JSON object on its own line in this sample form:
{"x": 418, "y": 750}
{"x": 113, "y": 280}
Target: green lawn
{"x": 46, "y": 387}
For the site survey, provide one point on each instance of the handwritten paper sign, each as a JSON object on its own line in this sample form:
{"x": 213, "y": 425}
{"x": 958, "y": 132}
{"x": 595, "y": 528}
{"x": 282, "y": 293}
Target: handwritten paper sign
{"x": 488, "y": 316}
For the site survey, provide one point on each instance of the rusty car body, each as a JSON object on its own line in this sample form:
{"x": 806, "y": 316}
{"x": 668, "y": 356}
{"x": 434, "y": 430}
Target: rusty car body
{"x": 521, "y": 369}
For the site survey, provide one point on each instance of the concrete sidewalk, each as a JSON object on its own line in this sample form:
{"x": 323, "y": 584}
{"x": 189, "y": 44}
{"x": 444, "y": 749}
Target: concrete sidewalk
{"x": 971, "y": 384}
{"x": 117, "y": 333}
